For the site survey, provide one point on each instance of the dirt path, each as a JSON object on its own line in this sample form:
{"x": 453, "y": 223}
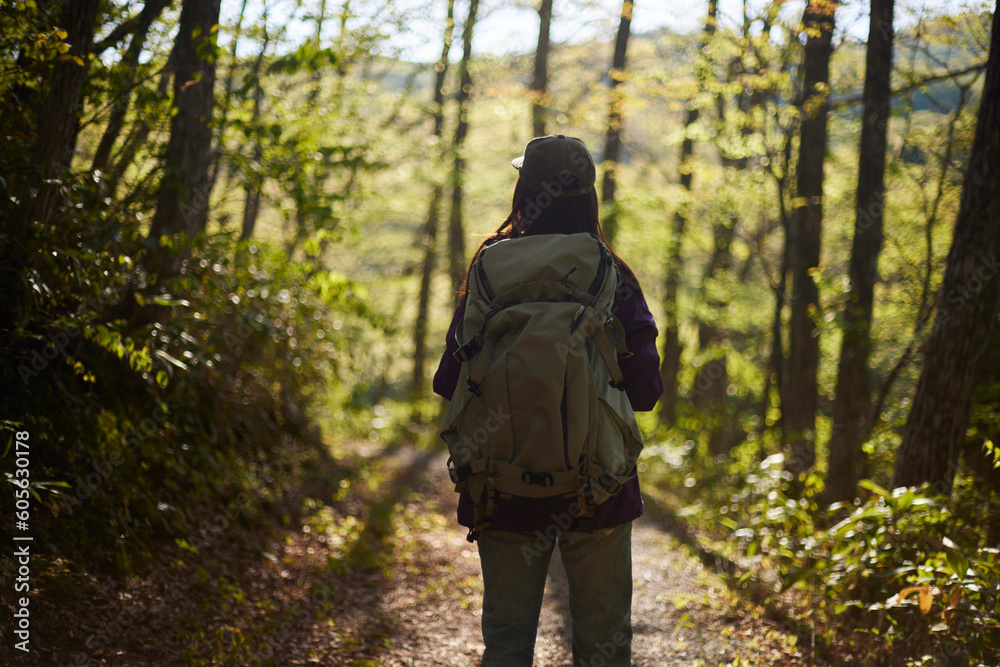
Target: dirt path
{"x": 683, "y": 614}
{"x": 378, "y": 574}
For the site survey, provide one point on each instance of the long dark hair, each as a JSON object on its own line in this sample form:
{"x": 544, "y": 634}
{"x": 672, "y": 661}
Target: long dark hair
{"x": 534, "y": 212}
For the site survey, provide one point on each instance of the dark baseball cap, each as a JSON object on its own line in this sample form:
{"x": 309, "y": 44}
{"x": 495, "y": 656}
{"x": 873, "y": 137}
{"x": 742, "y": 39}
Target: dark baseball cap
{"x": 558, "y": 164}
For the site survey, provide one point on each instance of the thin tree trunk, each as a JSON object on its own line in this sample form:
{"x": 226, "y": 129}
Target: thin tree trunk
{"x": 777, "y": 362}
{"x": 182, "y": 201}
{"x": 852, "y": 402}
{"x": 150, "y": 12}
{"x": 613, "y": 137}
{"x": 539, "y": 84}
{"x": 428, "y": 236}
{"x": 456, "y": 232}
{"x": 227, "y": 96}
{"x": 670, "y": 363}
{"x": 800, "y": 413}
{"x": 139, "y": 133}
{"x": 317, "y": 76}
{"x": 255, "y": 181}
{"x": 967, "y": 308}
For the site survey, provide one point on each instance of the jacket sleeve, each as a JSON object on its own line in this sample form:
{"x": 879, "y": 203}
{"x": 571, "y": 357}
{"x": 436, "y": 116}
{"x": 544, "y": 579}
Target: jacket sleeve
{"x": 446, "y": 377}
{"x": 642, "y": 369}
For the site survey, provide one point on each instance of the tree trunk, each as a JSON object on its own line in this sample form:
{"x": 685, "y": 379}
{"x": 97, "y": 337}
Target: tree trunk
{"x": 116, "y": 121}
{"x": 317, "y": 76}
{"x": 670, "y": 364}
{"x": 775, "y": 373}
{"x": 51, "y": 126}
{"x": 976, "y": 458}
{"x": 227, "y": 93}
{"x": 967, "y": 308}
{"x": 139, "y": 133}
{"x": 55, "y": 143}
{"x": 539, "y": 84}
{"x": 852, "y": 402}
{"x": 255, "y": 181}
{"x": 429, "y": 233}
{"x": 182, "y": 201}
{"x": 800, "y": 413}
{"x": 456, "y": 232}
{"x": 777, "y": 363}
{"x": 613, "y": 137}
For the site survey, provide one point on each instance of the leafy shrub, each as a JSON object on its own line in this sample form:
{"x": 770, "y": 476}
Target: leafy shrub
{"x": 911, "y": 570}
{"x": 149, "y": 410}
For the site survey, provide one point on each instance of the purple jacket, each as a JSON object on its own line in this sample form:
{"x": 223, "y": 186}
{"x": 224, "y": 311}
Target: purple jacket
{"x": 641, "y": 371}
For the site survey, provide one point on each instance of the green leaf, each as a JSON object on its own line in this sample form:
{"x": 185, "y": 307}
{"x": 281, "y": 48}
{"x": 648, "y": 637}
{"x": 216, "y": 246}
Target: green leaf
{"x": 959, "y": 564}
{"x": 874, "y": 488}
{"x": 795, "y": 576}
{"x": 168, "y": 300}
{"x": 728, "y": 523}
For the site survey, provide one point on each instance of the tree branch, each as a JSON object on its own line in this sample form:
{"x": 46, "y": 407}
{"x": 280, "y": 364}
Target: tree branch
{"x": 127, "y": 27}
{"x": 856, "y": 99}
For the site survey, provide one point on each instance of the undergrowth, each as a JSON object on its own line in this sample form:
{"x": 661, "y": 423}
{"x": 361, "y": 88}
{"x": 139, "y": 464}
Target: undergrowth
{"x": 899, "y": 577}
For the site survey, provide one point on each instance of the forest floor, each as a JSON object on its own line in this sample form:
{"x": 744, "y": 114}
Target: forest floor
{"x": 374, "y": 571}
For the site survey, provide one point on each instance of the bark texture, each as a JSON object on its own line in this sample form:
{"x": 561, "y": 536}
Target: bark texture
{"x": 852, "y": 402}
{"x": 55, "y": 138}
{"x": 456, "y": 231}
{"x": 429, "y": 233}
{"x": 540, "y": 81}
{"x": 182, "y": 200}
{"x": 967, "y": 308}
{"x": 613, "y": 136}
{"x": 670, "y": 363}
{"x": 800, "y": 411}
{"x": 254, "y": 185}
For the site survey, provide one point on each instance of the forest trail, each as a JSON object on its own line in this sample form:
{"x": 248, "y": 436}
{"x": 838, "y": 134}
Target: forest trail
{"x": 396, "y": 585}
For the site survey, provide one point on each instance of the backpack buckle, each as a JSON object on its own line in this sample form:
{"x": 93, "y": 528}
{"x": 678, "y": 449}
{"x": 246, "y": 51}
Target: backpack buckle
{"x": 460, "y": 473}
{"x": 539, "y": 478}
{"x": 467, "y": 351}
{"x": 609, "y": 482}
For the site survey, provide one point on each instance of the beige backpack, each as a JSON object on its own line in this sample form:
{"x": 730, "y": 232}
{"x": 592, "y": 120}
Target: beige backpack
{"x": 540, "y": 410}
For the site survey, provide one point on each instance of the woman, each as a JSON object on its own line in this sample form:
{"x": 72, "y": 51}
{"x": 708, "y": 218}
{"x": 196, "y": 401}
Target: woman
{"x": 555, "y": 194}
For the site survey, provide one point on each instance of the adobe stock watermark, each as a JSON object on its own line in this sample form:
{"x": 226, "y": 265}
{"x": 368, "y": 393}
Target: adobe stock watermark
{"x": 878, "y": 116}
{"x": 41, "y": 358}
{"x": 544, "y": 540}
{"x": 557, "y": 187}
{"x": 86, "y": 487}
{"x": 551, "y": 190}
{"x": 103, "y": 640}
{"x": 713, "y": 372}
{"x": 588, "y": 323}
{"x": 212, "y": 528}
{"x": 210, "y": 531}
{"x": 959, "y": 296}
{"x": 607, "y": 651}
{"x": 868, "y": 215}
{"x": 469, "y": 446}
